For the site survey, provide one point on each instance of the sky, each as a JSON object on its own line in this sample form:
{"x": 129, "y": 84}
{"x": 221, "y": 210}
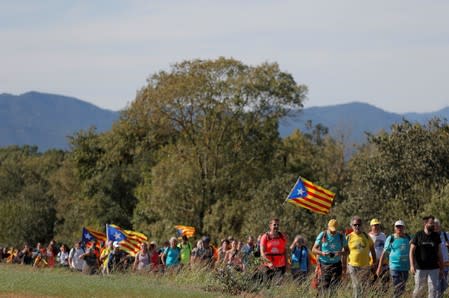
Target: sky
{"x": 391, "y": 54}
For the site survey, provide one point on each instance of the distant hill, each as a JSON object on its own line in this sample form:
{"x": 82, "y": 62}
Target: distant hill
{"x": 349, "y": 122}
{"x": 46, "y": 120}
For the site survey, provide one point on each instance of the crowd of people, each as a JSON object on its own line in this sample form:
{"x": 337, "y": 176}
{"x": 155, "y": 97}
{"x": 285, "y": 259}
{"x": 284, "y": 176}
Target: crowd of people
{"x": 370, "y": 259}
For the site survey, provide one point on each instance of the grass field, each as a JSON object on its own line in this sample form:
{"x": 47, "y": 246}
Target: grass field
{"x": 21, "y": 281}
{"x": 25, "y": 281}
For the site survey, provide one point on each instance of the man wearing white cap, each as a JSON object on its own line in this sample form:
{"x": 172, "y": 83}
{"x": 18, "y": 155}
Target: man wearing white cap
{"x": 397, "y": 246}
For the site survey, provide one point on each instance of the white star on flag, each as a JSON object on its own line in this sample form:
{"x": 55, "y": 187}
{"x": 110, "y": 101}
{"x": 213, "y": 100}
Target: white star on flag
{"x": 87, "y": 236}
{"x": 301, "y": 192}
{"x": 117, "y": 236}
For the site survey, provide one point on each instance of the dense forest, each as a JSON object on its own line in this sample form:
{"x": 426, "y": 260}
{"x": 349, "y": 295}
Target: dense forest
{"x": 200, "y": 146}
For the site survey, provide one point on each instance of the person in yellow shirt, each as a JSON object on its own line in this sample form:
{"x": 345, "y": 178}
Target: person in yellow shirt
{"x": 104, "y": 257}
{"x": 360, "y": 246}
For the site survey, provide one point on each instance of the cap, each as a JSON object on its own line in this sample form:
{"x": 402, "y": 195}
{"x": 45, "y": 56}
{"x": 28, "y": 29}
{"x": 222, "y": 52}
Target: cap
{"x": 115, "y": 244}
{"x": 374, "y": 221}
{"x": 206, "y": 239}
{"x": 399, "y": 223}
{"x": 153, "y": 242}
{"x": 332, "y": 225}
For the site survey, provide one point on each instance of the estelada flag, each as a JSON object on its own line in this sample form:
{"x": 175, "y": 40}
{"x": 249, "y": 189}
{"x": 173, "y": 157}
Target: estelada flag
{"x": 90, "y": 235}
{"x": 307, "y": 195}
{"x": 128, "y": 240}
{"x": 184, "y": 231}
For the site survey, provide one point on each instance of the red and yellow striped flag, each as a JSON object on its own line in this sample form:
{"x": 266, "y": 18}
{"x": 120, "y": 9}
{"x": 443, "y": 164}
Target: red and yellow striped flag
{"x": 307, "y": 195}
{"x": 129, "y": 240}
{"x": 185, "y": 231}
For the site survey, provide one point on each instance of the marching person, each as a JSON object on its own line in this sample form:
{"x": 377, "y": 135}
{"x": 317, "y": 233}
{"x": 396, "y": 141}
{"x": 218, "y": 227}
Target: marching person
{"x": 300, "y": 264}
{"x": 397, "y": 247}
{"x": 360, "y": 246}
{"x": 273, "y": 250}
{"x": 442, "y": 285}
{"x": 331, "y": 247}
{"x": 426, "y": 261}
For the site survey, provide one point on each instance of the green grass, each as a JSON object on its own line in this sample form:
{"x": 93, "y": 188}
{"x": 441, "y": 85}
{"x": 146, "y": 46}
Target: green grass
{"x": 25, "y": 281}
{"x": 20, "y": 280}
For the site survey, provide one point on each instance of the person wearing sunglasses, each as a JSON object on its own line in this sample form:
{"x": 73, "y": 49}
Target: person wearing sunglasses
{"x": 360, "y": 246}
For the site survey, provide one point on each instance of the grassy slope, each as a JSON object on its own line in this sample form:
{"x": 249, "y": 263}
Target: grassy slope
{"x": 25, "y": 281}
{"x": 20, "y": 280}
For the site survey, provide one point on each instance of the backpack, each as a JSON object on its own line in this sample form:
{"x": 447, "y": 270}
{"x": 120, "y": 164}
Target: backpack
{"x": 324, "y": 238}
{"x": 391, "y": 236}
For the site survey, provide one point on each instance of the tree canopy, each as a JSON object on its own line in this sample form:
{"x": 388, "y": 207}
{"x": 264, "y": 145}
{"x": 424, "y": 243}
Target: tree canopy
{"x": 200, "y": 146}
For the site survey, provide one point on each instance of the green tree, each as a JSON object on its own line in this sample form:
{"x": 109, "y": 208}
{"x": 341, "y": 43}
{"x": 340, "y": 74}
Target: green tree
{"x": 27, "y": 212}
{"x": 396, "y": 173}
{"x": 215, "y": 122}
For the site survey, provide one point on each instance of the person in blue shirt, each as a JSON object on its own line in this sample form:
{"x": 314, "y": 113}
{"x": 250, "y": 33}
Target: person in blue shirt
{"x": 397, "y": 246}
{"x": 299, "y": 259}
{"x": 171, "y": 257}
{"x": 331, "y": 247}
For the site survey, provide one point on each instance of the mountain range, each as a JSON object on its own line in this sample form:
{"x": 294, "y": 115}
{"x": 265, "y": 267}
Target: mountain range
{"x": 350, "y": 122}
{"x": 46, "y": 120}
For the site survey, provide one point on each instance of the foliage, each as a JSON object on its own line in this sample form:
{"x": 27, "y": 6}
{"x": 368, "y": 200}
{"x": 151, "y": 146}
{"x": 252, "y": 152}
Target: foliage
{"x": 27, "y": 212}
{"x": 200, "y": 146}
{"x": 395, "y": 175}
{"x": 221, "y": 117}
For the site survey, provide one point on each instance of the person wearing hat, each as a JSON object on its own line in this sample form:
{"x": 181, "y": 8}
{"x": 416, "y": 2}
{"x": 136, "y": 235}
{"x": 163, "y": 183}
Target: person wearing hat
{"x": 397, "y": 247}
{"x": 330, "y": 246}
{"x": 116, "y": 258}
{"x": 379, "y": 238}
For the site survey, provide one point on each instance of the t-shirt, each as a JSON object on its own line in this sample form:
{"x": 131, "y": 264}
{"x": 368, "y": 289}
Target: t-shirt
{"x": 247, "y": 251}
{"x": 332, "y": 243}
{"x": 172, "y": 256}
{"x": 359, "y": 249}
{"x": 299, "y": 259}
{"x": 274, "y": 249}
{"x": 63, "y": 258}
{"x": 74, "y": 255}
{"x": 186, "y": 250}
{"x": 426, "y": 253}
{"x": 398, "y": 250}
{"x": 379, "y": 243}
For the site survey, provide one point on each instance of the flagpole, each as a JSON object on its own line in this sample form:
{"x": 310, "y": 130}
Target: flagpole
{"x": 291, "y": 190}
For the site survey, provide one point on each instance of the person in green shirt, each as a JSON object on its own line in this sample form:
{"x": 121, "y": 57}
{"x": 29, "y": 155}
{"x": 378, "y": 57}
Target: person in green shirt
{"x": 186, "y": 250}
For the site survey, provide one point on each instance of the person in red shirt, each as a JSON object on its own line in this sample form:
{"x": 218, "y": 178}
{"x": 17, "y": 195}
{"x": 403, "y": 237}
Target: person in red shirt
{"x": 273, "y": 250}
